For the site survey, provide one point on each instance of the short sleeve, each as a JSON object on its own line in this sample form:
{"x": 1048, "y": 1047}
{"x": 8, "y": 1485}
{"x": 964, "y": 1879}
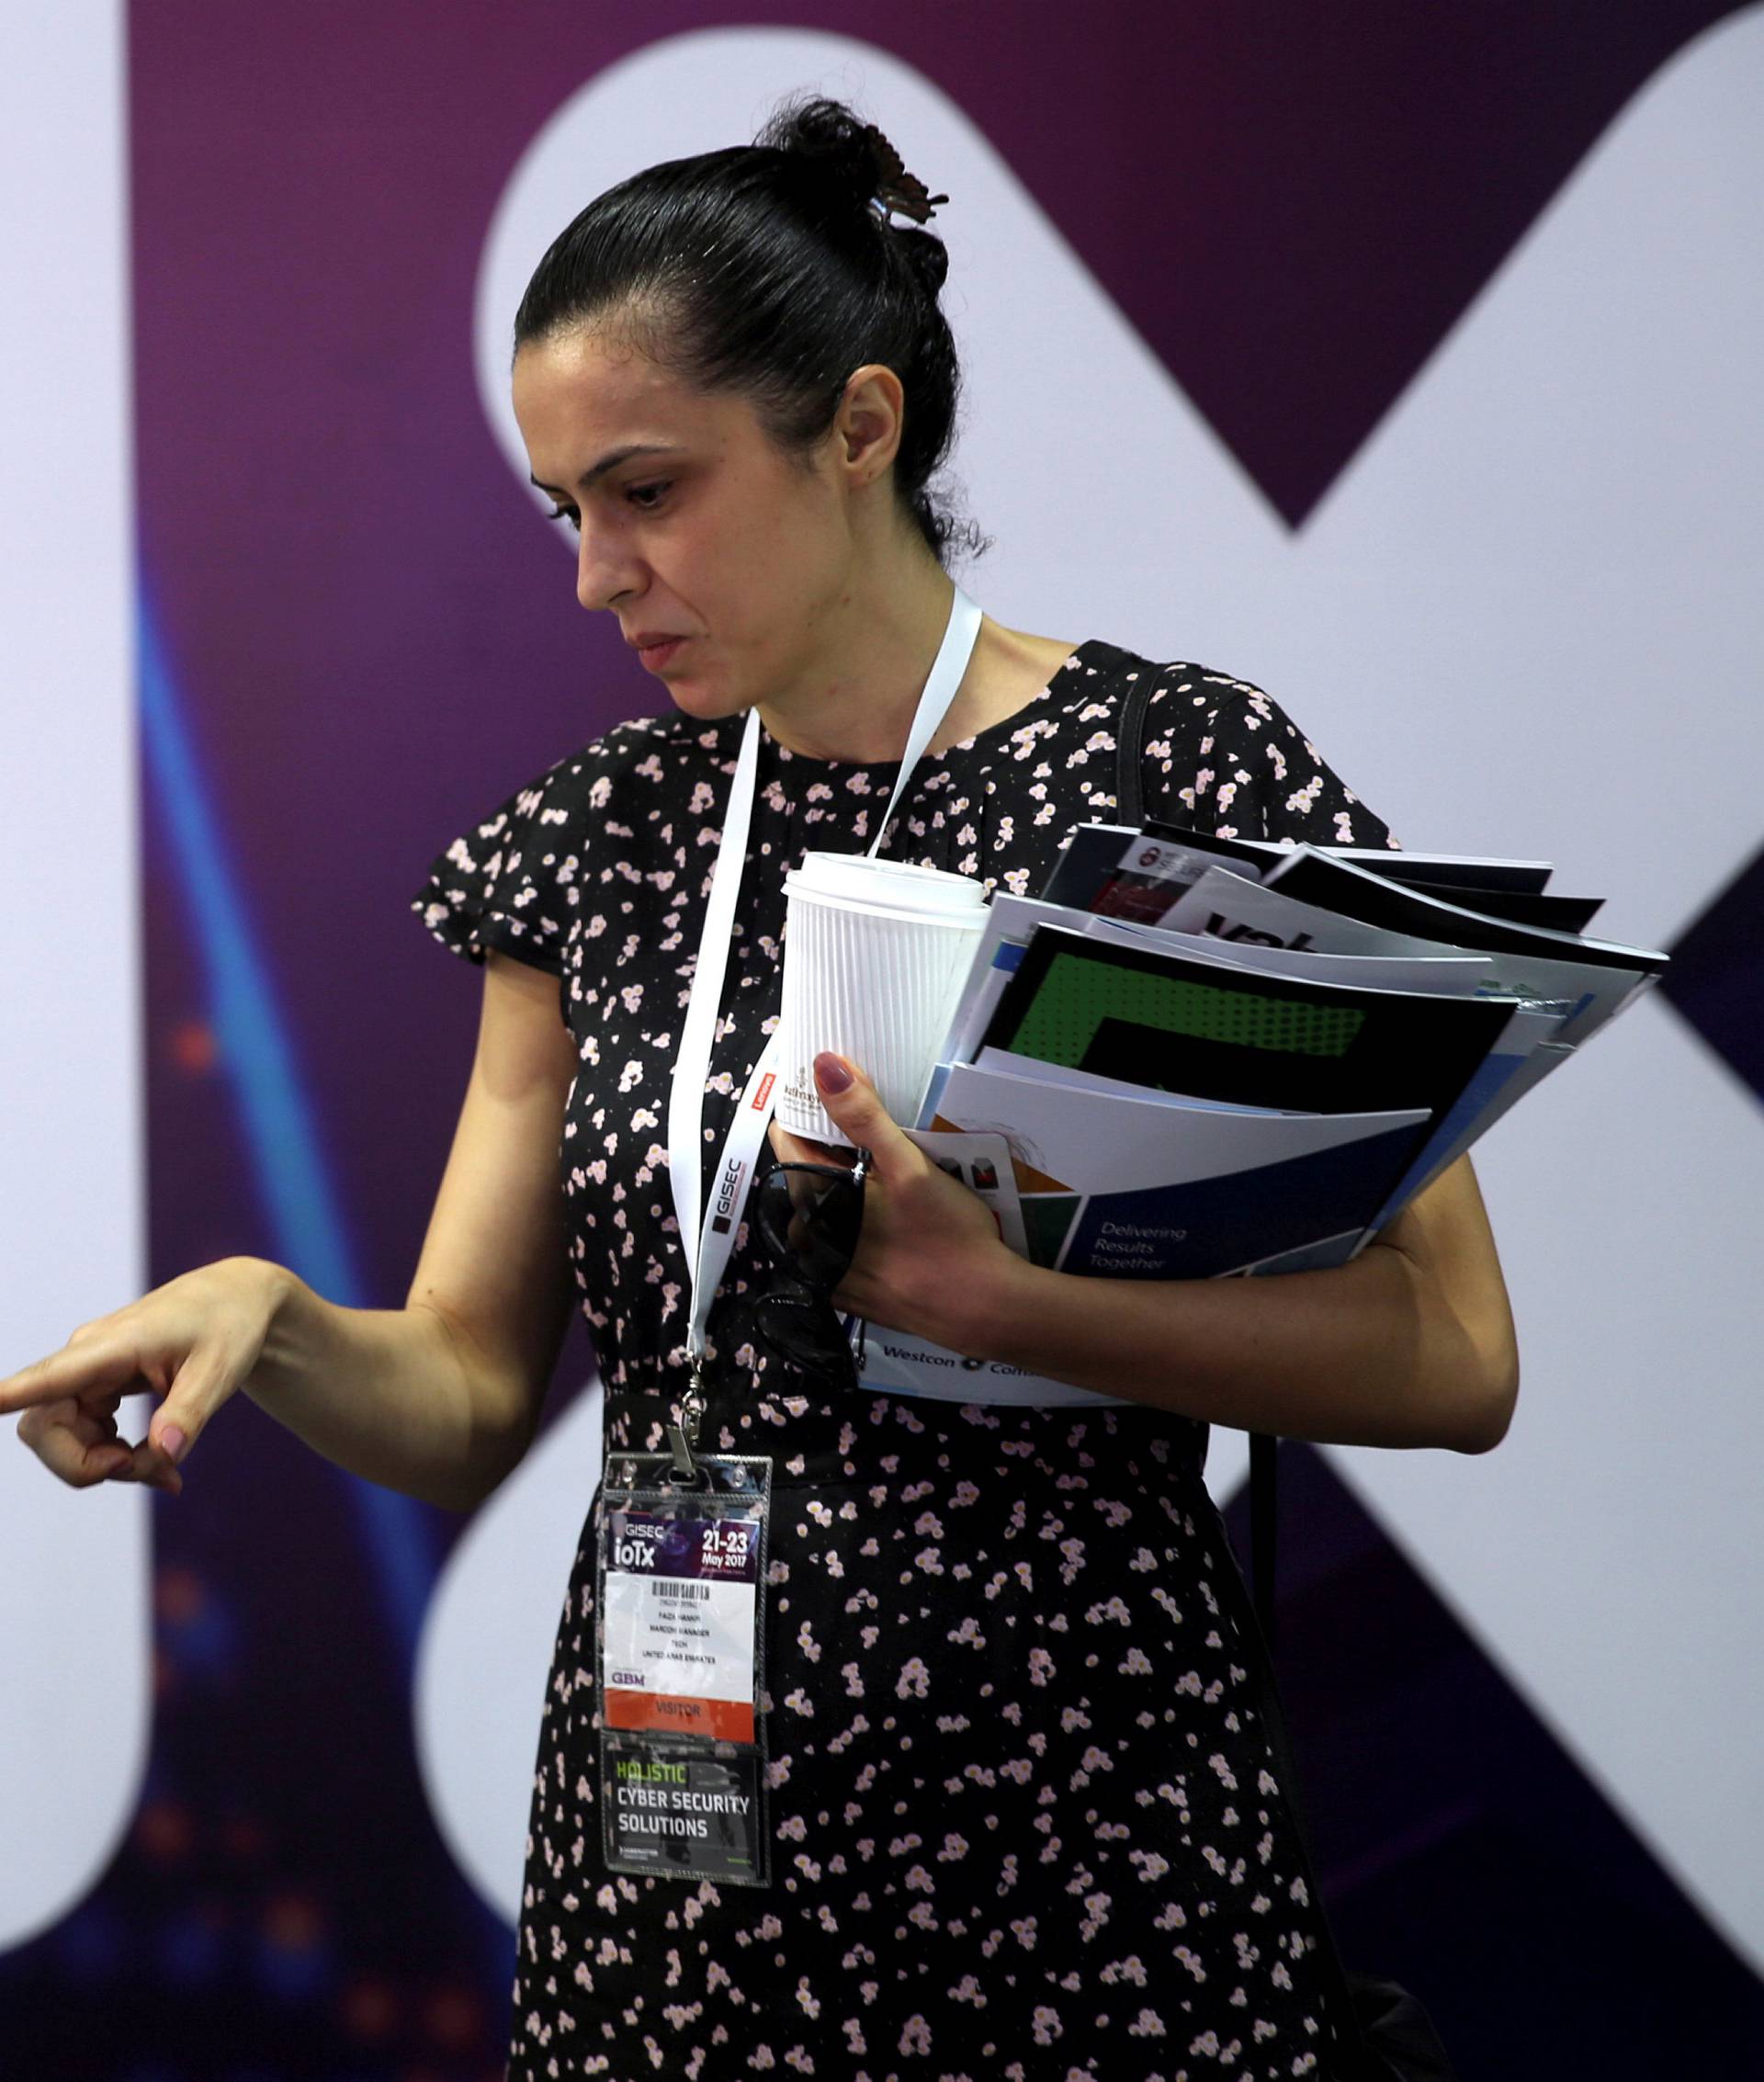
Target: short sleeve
{"x": 509, "y": 881}
{"x": 1220, "y": 755}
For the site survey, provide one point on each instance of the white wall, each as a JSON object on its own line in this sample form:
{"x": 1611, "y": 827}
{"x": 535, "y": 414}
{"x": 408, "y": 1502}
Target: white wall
{"x": 74, "y": 1569}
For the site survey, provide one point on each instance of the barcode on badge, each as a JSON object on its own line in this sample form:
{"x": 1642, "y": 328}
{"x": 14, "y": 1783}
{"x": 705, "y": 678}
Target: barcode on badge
{"x": 672, "y": 1586}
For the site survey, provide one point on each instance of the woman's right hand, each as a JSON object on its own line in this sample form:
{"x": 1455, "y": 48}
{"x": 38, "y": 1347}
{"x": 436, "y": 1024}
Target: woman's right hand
{"x": 192, "y": 1342}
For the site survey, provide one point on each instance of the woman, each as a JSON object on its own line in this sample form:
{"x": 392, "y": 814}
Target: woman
{"x": 1021, "y": 1820}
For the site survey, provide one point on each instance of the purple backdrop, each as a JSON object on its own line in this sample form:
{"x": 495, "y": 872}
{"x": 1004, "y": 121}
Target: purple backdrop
{"x": 357, "y": 638}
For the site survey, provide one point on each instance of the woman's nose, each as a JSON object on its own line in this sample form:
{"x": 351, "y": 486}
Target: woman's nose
{"x": 603, "y": 572}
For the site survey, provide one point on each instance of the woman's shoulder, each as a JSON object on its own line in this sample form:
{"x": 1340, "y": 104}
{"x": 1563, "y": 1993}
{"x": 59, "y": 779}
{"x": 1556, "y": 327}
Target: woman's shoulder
{"x": 512, "y": 879}
{"x": 595, "y": 776}
{"x": 1219, "y": 752}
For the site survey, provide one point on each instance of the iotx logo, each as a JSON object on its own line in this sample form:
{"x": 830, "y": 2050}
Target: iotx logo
{"x": 728, "y": 1195}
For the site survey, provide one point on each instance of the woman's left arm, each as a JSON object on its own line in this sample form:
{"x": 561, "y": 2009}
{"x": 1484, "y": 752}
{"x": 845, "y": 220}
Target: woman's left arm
{"x": 1411, "y": 1344}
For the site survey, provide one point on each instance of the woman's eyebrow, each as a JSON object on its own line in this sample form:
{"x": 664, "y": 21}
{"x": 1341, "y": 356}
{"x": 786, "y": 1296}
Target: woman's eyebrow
{"x": 609, "y": 461}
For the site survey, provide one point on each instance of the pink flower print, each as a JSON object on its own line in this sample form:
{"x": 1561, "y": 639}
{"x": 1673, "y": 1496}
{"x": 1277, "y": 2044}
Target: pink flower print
{"x": 1071, "y": 1717}
{"x": 970, "y": 1631}
{"x": 806, "y": 1997}
{"x": 1137, "y": 1663}
{"x": 1227, "y": 795}
{"x": 1306, "y": 798}
{"x": 799, "y": 2059}
{"x": 1188, "y": 1959}
{"x": 794, "y": 1830}
{"x": 968, "y": 1989}
{"x": 914, "y": 1677}
{"x": 854, "y": 1682}
{"x": 926, "y": 1559}
{"x": 1115, "y": 1610}
{"x": 630, "y": 1076}
{"x": 799, "y": 1702}
{"x": 915, "y": 2036}
{"x": 1095, "y": 1759}
{"x": 1221, "y": 1771}
{"x": 853, "y": 2031}
{"x": 1020, "y": 1769}
{"x": 1152, "y": 1865}
{"x": 1147, "y": 2025}
{"x": 954, "y": 1847}
{"x": 1046, "y": 2025}
{"x": 806, "y": 1641}
{"x": 1041, "y": 1666}
{"x": 1023, "y": 1929}
{"x": 918, "y": 1881}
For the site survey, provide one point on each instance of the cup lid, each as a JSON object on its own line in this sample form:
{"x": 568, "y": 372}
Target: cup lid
{"x": 898, "y": 885}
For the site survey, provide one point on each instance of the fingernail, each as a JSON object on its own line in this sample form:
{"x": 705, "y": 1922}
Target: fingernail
{"x": 172, "y": 1442}
{"x": 830, "y": 1074}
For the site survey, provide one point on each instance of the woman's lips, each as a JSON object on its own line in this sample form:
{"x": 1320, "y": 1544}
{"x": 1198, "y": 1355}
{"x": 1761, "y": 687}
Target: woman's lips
{"x": 657, "y": 654}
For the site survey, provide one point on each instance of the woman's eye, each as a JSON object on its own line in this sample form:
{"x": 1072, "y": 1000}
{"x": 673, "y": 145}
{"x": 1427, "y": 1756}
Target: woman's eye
{"x": 646, "y": 497}
{"x": 567, "y": 513}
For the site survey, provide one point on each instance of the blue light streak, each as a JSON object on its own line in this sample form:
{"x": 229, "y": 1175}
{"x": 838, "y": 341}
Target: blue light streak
{"x": 278, "y": 1127}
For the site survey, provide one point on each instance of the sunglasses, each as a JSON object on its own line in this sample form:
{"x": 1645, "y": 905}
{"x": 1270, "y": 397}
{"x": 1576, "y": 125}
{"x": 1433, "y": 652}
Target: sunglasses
{"x": 810, "y": 1219}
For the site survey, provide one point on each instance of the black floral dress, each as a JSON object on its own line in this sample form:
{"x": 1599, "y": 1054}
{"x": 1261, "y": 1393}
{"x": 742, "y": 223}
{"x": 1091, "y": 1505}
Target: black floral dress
{"x": 1025, "y": 1822}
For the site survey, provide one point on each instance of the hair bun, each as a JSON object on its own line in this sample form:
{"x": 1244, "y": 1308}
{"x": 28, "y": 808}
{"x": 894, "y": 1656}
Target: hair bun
{"x": 857, "y": 153}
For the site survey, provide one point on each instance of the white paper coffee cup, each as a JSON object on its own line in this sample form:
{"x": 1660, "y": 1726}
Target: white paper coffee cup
{"x": 876, "y": 952}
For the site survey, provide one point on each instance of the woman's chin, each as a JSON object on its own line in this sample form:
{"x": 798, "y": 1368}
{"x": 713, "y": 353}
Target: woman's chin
{"x": 704, "y": 696}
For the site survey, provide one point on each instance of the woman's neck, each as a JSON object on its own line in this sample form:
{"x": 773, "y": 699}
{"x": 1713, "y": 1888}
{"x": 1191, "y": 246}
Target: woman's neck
{"x": 857, "y": 701}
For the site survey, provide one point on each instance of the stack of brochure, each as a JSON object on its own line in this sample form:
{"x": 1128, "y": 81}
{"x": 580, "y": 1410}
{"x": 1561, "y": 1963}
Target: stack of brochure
{"x": 1191, "y": 1057}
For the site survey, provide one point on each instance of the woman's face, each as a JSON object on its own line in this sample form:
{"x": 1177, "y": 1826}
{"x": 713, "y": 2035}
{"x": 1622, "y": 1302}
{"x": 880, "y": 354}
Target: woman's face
{"x": 715, "y": 535}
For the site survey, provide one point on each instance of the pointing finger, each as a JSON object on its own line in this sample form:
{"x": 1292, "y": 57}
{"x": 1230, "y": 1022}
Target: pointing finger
{"x": 95, "y": 1363}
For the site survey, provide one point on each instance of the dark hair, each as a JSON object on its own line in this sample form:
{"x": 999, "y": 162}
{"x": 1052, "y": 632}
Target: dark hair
{"x": 769, "y": 269}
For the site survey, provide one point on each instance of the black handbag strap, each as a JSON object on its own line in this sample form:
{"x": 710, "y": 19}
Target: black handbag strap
{"x": 1129, "y": 809}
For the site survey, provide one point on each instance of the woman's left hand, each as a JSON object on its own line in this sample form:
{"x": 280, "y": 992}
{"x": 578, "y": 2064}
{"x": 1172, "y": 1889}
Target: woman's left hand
{"x": 930, "y": 1259}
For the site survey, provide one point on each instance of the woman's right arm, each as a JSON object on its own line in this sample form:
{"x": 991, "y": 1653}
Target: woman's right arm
{"x": 439, "y": 1399}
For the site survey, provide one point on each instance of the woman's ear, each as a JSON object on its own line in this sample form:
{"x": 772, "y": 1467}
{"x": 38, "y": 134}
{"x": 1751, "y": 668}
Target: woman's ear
{"x": 871, "y": 416}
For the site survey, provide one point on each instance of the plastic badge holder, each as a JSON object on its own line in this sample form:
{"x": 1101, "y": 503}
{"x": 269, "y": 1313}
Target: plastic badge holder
{"x": 680, "y": 1637}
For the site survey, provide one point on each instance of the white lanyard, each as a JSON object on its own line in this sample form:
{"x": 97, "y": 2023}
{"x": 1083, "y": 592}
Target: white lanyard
{"x": 714, "y": 1229}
